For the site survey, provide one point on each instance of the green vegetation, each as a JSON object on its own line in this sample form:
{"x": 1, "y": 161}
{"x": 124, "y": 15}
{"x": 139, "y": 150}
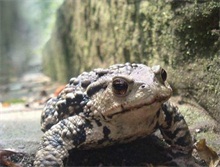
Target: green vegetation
{"x": 15, "y": 101}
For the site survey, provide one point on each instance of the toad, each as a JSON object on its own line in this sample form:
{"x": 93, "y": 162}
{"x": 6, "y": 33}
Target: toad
{"x": 106, "y": 106}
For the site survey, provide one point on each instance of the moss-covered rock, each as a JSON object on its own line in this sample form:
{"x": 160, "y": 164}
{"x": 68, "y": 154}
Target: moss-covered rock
{"x": 183, "y": 36}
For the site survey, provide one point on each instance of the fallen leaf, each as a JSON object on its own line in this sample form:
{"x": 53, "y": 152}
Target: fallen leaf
{"x": 207, "y": 153}
{"x": 58, "y": 90}
{"x": 4, "y": 154}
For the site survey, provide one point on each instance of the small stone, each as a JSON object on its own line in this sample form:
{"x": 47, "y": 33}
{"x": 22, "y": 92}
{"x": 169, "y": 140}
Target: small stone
{"x": 21, "y": 146}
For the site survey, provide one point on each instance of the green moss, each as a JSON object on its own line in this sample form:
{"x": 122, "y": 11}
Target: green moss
{"x": 200, "y": 83}
{"x": 195, "y": 27}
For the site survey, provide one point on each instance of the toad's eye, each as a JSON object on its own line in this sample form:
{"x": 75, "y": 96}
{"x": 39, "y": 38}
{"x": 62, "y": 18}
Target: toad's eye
{"x": 163, "y": 74}
{"x": 120, "y": 86}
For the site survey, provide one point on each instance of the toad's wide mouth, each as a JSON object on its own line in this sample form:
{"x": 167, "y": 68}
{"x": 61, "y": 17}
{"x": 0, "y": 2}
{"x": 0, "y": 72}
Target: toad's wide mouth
{"x": 123, "y": 109}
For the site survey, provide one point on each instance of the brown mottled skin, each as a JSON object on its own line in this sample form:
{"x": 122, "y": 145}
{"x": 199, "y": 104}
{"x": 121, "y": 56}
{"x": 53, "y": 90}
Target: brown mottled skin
{"x": 106, "y": 106}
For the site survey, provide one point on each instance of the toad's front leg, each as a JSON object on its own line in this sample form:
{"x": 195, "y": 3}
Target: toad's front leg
{"x": 67, "y": 134}
{"x": 176, "y": 133}
{"x": 175, "y": 130}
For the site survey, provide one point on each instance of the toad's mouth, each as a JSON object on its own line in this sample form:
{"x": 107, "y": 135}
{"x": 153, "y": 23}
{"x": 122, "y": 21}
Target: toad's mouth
{"x": 123, "y": 109}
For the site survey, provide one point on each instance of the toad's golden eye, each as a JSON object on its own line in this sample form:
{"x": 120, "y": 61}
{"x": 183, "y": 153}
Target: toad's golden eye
{"x": 120, "y": 86}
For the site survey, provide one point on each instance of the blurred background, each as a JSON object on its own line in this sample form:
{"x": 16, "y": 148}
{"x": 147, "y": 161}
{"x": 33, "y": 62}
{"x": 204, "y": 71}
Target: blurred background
{"x": 25, "y": 27}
